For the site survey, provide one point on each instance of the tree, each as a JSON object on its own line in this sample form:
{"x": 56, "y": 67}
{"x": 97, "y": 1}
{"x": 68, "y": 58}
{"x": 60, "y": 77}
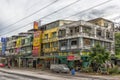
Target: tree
{"x": 98, "y": 56}
{"x": 117, "y": 43}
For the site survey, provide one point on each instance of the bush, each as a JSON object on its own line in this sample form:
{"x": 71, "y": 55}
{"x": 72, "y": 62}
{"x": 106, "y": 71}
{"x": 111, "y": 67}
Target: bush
{"x": 87, "y": 69}
{"x": 114, "y": 70}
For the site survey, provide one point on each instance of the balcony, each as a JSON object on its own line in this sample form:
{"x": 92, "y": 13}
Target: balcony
{"x": 63, "y": 48}
{"x": 74, "y": 46}
{"x": 47, "y": 50}
{"x": 54, "y": 49}
{"x": 45, "y": 40}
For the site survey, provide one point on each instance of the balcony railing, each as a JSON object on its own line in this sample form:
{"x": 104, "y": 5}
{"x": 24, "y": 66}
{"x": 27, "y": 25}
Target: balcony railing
{"x": 63, "y": 48}
{"x": 74, "y": 47}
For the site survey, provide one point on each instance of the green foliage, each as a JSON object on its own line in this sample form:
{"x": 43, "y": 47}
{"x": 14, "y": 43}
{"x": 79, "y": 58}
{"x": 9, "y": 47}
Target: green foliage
{"x": 114, "y": 70}
{"x": 99, "y": 54}
{"x": 117, "y": 43}
{"x": 87, "y": 69}
{"x": 117, "y": 56}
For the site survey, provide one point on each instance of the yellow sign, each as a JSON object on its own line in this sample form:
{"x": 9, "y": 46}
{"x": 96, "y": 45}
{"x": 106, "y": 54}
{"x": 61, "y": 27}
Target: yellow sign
{"x": 37, "y": 43}
{"x": 18, "y": 42}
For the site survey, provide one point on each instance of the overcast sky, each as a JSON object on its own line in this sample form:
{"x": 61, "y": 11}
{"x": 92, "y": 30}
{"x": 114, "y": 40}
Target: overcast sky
{"x": 14, "y": 10}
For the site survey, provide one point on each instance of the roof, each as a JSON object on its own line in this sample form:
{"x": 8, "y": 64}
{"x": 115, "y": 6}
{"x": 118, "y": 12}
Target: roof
{"x": 100, "y": 18}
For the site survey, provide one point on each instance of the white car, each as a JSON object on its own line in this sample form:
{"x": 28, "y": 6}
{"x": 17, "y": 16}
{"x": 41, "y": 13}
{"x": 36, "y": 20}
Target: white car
{"x": 59, "y": 68}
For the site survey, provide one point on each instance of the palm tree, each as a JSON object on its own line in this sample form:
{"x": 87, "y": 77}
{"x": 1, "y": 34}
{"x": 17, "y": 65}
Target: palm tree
{"x": 98, "y": 56}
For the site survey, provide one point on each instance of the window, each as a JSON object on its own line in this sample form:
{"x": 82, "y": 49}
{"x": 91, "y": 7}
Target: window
{"x": 63, "y": 43}
{"x": 54, "y": 44}
{"x": 99, "y": 33}
{"x": 52, "y": 25}
{"x": 77, "y": 29}
{"x": 46, "y": 36}
{"x": 71, "y": 31}
{"x": 23, "y": 41}
{"x": 47, "y": 45}
{"x": 107, "y": 34}
{"x": 54, "y": 34}
{"x": 86, "y": 29}
{"x": 106, "y": 24}
{"x": 62, "y": 33}
{"x": 74, "y": 42}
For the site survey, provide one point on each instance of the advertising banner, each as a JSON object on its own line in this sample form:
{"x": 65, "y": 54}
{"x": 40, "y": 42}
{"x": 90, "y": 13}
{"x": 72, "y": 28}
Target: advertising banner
{"x": 3, "y": 40}
{"x": 36, "y": 51}
{"x": 35, "y": 25}
{"x": 70, "y": 58}
{"x": 37, "y": 43}
{"x": 18, "y": 43}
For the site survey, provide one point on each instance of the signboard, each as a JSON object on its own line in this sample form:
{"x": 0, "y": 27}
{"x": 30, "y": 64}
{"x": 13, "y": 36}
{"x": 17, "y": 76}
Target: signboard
{"x": 35, "y": 25}
{"x": 37, "y": 38}
{"x": 18, "y": 42}
{"x": 70, "y": 58}
{"x": 36, "y": 51}
{"x": 3, "y": 40}
{"x": 37, "y": 43}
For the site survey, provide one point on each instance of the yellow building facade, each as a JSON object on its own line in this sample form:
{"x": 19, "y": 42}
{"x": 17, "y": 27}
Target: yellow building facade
{"x": 50, "y": 40}
{"x": 50, "y": 37}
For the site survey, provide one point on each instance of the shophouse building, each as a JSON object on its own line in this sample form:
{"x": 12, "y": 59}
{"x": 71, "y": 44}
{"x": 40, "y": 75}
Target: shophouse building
{"x": 50, "y": 45}
{"x": 77, "y": 38}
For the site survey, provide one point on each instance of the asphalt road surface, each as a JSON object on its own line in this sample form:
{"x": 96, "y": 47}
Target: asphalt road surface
{"x": 6, "y": 76}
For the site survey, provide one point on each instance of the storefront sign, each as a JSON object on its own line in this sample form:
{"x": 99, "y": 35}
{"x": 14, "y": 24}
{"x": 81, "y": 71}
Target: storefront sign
{"x": 18, "y": 43}
{"x": 70, "y": 57}
{"x": 3, "y": 40}
{"x": 37, "y": 38}
{"x": 35, "y": 25}
{"x": 37, "y": 43}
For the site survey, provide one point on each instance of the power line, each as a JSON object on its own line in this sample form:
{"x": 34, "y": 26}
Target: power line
{"x": 80, "y": 11}
{"x": 31, "y": 14}
{"x": 89, "y": 9}
{"x": 60, "y": 9}
{"x": 57, "y": 10}
{"x": 25, "y": 9}
{"x": 17, "y": 28}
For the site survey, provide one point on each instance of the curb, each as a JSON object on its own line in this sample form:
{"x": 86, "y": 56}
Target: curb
{"x": 24, "y": 75}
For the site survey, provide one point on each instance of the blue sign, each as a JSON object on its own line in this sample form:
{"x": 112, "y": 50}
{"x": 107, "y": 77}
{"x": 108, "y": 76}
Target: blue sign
{"x": 3, "y": 40}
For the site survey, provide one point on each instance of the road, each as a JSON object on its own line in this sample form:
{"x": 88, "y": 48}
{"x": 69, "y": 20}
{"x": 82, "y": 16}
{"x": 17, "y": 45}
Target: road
{"x": 6, "y": 76}
{"x": 16, "y": 74}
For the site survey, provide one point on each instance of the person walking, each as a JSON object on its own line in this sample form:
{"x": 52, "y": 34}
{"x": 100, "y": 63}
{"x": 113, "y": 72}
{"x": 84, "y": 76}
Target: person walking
{"x": 73, "y": 71}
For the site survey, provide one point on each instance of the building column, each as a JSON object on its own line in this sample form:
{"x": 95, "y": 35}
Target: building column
{"x": 95, "y": 32}
{"x": 81, "y": 42}
{"x": 105, "y": 33}
{"x": 93, "y": 42}
{"x": 80, "y": 30}
{"x": 68, "y": 44}
{"x": 19, "y": 62}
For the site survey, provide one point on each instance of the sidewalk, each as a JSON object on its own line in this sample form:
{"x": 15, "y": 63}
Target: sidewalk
{"x": 53, "y": 76}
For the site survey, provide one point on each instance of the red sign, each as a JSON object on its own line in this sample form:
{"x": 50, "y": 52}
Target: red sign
{"x": 36, "y": 51}
{"x": 70, "y": 57}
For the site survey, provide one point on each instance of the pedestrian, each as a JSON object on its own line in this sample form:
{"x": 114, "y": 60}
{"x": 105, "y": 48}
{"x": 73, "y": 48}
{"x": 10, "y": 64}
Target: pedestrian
{"x": 73, "y": 71}
{"x": 9, "y": 65}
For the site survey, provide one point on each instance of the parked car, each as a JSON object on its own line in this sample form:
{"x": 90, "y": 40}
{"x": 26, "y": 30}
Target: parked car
{"x": 2, "y": 65}
{"x": 59, "y": 68}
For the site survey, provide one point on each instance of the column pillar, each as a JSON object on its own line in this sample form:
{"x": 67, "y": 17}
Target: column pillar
{"x": 95, "y": 30}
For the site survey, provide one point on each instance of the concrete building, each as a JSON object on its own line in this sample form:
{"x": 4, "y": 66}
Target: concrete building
{"x": 50, "y": 40}
{"x": 77, "y": 38}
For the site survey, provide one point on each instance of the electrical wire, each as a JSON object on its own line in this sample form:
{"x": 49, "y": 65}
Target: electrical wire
{"x": 30, "y": 14}
{"x": 55, "y": 11}
{"x": 76, "y": 13}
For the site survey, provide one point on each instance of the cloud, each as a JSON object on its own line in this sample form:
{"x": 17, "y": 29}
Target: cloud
{"x": 13, "y": 10}
{"x": 94, "y": 13}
